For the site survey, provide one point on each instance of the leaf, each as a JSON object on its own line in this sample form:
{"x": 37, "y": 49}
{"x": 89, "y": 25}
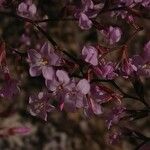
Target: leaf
{"x": 138, "y": 87}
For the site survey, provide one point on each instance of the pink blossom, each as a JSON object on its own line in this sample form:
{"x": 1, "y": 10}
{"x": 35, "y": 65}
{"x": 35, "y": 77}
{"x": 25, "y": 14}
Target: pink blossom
{"x": 76, "y": 95}
{"x": 127, "y": 67}
{"x": 112, "y": 34}
{"x": 84, "y": 22}
{"x": 40, "y": 105}
{"x": 42, "y": 62}
{"x": 85, "y": 13}
{"x": 59, "y": 82}
{"x": 90, "y": 55}
{"x": 100, "y": 93}
{"x": 106, "y": 70}
{"x": 27, "y": 9}
{"x": 79, "y": 97}
{"x": 115, "y": 115}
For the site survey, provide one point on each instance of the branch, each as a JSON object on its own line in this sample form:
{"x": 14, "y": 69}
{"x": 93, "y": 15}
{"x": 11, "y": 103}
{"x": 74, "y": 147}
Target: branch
{"x": 125, "y": 95}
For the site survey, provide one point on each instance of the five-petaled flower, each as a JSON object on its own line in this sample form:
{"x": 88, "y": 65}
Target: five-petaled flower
{"x": 43, "y": 61}
{"x": 40, "y": 105}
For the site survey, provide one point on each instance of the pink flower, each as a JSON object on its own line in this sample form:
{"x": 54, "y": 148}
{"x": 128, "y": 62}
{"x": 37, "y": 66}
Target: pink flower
{"x": 27, "y": 9}
{"x": 128, "y": 68}
{"x": 76, "y": 95}
{"x": 115, "y": 115}
{"x": 145, "y": 3}
{"x": 85, "y": 13}
{"x": 72, "y": 94}
{"x": 83, "y": 86}
{"x": 43, "y": 61}
{"x": 40, "y": 105}
{"x": 100, "y": 93}
{"x": 90, "y": 55}
{"x": 105, "y": 70}
{"x": 87, "y": 4}
{"x": 112, "y": 34}
{"x": 59, "y": 86}
{"x": 69, "y": 94}
{"x": 79, "y": 96}
{"x": 59, "y": 82}
{"x": 84, "y": 22}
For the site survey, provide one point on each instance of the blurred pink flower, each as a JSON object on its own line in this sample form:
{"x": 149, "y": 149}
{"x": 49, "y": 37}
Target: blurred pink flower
{"x": 19, "y": 130}
{"x": 9, "y": 88}
{"x": 27, "y": 9}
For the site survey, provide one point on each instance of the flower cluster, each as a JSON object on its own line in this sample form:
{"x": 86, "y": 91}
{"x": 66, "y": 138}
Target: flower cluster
{"x": 71, "y": 82}
{"x": 71, "y": 93}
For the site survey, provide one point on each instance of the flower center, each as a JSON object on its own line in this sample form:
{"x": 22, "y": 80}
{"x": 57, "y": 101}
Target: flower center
{"x": 44, "y": 61}
{"x": 39, "y": 107}
{"x": 146, "y": 66}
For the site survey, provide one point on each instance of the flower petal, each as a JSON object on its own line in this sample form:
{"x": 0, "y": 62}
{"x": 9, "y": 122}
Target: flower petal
{"x": 90, "y": 55}
{"x": 84, "y": 22}
{"x": 46, "y": 49}
{"x": 32, "y": 10}
{"x": 52, "y": 84}
{"x": 35, "y": 71}
{"x": 33, "y": 56}
{"x": 83, "y": 86}
{"x": 62, "y": 76}
{"x": 48, "y": 72}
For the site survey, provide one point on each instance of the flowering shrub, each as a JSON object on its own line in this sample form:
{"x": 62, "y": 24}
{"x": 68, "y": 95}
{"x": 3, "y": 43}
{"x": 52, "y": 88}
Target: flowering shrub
{"x": 88, "y": 80}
